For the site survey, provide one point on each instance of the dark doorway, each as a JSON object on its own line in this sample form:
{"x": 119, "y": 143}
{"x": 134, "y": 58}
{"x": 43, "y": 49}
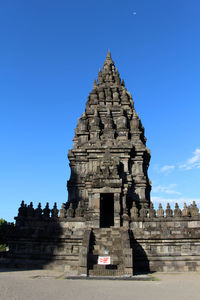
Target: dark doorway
{"x": 106, "y": 210}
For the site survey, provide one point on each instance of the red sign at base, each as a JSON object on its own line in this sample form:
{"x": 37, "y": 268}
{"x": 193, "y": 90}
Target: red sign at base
{"x": 104, "y": 260}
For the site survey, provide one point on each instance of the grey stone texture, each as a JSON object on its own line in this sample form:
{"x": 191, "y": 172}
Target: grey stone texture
{"x": 109, "y": 212}
{"x": 109, "y": 153}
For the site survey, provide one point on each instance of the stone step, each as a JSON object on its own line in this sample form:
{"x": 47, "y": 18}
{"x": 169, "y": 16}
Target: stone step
{"x": 106, "y": 272}
{"x": 109, "y": 244}
{"x": 107, "y": 251}
{"x": 103, "y": 231}
{"x": 104, "y": 238}
{"x": 107, "y": 241}
{"x": 106, "y": 231}
{"x": 107, "y": 237}
{"x": 103, "y": 267}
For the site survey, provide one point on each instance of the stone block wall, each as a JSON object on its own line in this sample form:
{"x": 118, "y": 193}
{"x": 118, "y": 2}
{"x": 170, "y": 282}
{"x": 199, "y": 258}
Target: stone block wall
{"x": 166, "y": 245}
{"x": 50, "y": 245}
{"x": 166, "y": 241}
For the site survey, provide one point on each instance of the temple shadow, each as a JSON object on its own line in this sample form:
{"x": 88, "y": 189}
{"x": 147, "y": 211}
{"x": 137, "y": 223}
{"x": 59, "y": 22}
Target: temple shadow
{"x": 140, "y": 259}
{"x": 33, "y": 241}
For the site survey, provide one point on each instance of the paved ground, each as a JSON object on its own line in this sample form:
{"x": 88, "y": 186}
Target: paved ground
{"x": 43, "y": 285}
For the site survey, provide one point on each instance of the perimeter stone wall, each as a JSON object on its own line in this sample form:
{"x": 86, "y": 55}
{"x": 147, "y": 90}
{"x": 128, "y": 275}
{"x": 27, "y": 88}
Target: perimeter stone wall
{"x": 166, "y": 245}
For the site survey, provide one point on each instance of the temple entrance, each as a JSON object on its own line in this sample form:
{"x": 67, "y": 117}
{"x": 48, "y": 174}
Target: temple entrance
{"x": 106, "y": 210}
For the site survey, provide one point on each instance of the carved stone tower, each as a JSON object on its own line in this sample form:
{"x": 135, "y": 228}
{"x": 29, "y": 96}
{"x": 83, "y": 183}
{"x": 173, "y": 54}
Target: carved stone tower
{"x": 109, "y": 158}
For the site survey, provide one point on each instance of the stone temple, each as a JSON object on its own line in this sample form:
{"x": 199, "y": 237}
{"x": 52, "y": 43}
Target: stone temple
{"x": 109, "y": 159}
{"x": 108, "y": 225}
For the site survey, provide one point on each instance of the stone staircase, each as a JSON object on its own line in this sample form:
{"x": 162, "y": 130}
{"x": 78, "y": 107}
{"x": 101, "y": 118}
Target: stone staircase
{"x": 106, "y": 242}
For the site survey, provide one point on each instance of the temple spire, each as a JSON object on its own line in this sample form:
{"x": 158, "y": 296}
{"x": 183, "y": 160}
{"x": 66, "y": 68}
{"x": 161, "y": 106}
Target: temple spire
{"x": 108, "y": 54}
{"x": 108, "y": 60}
{"x": 108, "y": 73}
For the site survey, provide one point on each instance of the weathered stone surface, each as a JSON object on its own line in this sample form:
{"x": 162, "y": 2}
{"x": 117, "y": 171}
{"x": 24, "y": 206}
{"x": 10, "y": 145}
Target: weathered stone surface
{"x": 114, "y": 154}
{"x": 109, "y": 210}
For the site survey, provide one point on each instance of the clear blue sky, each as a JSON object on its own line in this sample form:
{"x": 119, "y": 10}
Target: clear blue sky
{"x": 50, "y": 54}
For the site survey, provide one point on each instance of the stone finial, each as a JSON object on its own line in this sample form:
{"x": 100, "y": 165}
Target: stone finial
{"x": 168, "y": 211}
{"x": 108, "y": 60}
{"x": 125, "y": 218}
{"x": 30, "y": 210}
{"x": 152, "y": 212}
{"x": 63, "y": 211}
{"x": 194, "y": 211}
{"x": 46, "y": 211}
{"x": 117, "y": 78}
{"x": 134, "y": 212}
{"x": 185, "y": 211}
{"x": 108, "y": 55}
{"x": 54, "y": 211}
{"x": 143, "y": 212}
{"x": 70, "y": 211}
{"x": 21, "y": 210}
{"x": 100, "y": 78}
{"x": 117, "y": 73}
{"x": 38, "y": 211}
{"x": 177, "y": 211}
{"x": 79, "y": 210}
{"x": 160, "y": 211}
{"x": 94, "y": 85}
{"x": 108, "y": 73}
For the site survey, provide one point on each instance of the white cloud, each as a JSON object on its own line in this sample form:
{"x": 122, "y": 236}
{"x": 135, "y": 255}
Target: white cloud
{"x": 172, "y": 201}
{"x": 167, "y": 169}
{"x": 193, "y": 162}
{"x": 165, "y": 189}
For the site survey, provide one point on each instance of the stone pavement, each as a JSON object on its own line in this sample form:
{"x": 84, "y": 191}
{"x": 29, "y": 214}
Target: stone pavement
{"x": 43, "y": 285}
